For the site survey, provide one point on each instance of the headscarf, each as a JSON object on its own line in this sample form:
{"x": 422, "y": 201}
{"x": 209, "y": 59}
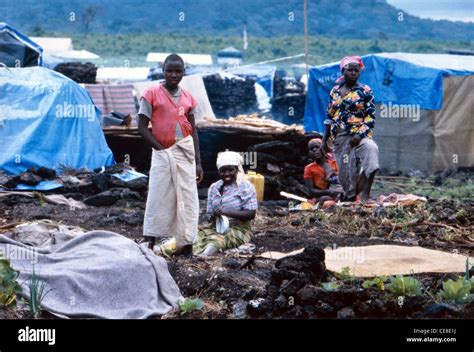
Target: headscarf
{"x": 319, "y": 140}
{"x": 350, "y": 60}
{"x": 328, "y": 154}
{"x": 229, "y": 158}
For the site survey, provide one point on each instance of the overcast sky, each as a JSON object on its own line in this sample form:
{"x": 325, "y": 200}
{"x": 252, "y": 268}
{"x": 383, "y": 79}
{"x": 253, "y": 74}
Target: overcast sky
{"x": 455, "y": 10}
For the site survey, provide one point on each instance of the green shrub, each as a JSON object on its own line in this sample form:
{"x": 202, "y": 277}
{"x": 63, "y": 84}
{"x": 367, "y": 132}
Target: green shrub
{"x": 404, "y": 286}
{"x": 9, "y": 287}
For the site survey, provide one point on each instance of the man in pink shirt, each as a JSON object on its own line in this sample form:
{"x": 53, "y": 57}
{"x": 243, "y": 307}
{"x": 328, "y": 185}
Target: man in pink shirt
{"x": 172, "y": 208}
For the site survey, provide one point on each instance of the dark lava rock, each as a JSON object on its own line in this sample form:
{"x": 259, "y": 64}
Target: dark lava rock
{"x": 100, "y": 182}
{"x": 310, "y": 262}
{"x": 346, "y": 313}
{"x": 259, "y": 307}
{"x": 45, "y": 173}
{"x": 231, "y": 263}
{"x": 308, "y": 294}
{"x": 132, "y": 219}
{"x": 111, "y": 197}
{"x": 291, "y": 287}
{"x": 439, "y": 311}
{"x": 106, "y": 198}
{"x": 138, "y": 185}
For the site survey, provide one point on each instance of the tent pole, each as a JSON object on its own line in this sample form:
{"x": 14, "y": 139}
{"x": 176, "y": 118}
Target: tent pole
{"x": 306, "y": 37}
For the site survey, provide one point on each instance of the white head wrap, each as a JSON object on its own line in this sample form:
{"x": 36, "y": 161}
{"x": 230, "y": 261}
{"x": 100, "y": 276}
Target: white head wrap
{"x": 229, "y": 158}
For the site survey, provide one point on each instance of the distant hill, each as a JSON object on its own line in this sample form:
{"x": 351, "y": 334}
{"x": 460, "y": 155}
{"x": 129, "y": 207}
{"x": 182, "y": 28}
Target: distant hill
{"x": 350, "y": 19}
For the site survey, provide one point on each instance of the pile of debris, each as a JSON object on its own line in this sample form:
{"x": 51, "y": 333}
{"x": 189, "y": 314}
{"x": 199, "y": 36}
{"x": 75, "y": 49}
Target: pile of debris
{"x": 273, "y": 149}
{"x": 230, "y": 96}
{"x": 95, "y": 188}
{"x": 289, "y": 100}
{"x": 31, "y": 177}
{"x": 290, "y": 279}
{"x": 78, "y": 72}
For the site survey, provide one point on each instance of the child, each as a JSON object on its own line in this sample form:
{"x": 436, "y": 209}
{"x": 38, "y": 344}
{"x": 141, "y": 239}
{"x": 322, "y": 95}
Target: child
{"x": 172, "y": 207}
{"x": 320, "y": 173}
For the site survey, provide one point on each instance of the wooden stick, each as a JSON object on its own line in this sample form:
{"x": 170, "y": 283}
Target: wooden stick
{"x": 9, "y": 226}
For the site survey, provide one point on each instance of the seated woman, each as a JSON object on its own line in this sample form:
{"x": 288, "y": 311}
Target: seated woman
{"x": 233, "y": 197}
{"x": 320, "y": 173}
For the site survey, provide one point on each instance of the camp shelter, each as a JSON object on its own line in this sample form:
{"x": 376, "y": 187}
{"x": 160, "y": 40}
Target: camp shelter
{"x": 229, "y": 56}
{"x": 48, "y": 120}
{"x": 424, "y": 117}
{"x": 17, "y": 50}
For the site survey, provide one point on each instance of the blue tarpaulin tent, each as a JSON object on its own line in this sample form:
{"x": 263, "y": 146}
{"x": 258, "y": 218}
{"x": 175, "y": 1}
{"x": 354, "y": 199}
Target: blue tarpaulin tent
{"x": 48, "y": 120}
{"x": 424, "y": 115}
{"x": 17, "y": 50}
{"x": 394, "y": 79}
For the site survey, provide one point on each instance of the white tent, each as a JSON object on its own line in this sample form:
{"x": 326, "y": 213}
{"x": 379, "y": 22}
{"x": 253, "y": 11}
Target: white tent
{"x": 76, "y": 55}
{"x": 122, "y": 74}
{"x": 52, "y": 45}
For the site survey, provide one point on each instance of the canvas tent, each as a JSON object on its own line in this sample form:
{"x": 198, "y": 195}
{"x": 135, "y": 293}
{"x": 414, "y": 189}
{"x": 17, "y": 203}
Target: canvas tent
{"x": 424, "y": 118}
{"x": 48, "y": 120}
{"x": 17, "y": 50}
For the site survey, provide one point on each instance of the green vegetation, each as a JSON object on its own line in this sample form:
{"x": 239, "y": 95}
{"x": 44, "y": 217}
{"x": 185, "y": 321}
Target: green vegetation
{"x": 451, "y": 188}
{"x": 189, "y": 305}
{"x": 404, "y": 286}
{"x": 331, "y": 286}
{"x": 37, "y": 294}
{"x": 115, "y": 49}
{"x": 378, "y": 281}
{"x": 9, "y": 287}
{"x": 345, "y": 274}
{"x": 456, "y": 291}
{"x": 369, "y": 19}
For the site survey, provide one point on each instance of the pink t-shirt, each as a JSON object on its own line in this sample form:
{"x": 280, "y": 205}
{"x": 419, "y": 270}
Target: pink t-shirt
{"x": 166, "y": 114}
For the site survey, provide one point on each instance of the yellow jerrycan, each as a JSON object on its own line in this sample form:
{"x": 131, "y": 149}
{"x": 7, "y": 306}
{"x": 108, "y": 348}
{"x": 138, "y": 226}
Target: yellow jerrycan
{"x": 259, "y": 183}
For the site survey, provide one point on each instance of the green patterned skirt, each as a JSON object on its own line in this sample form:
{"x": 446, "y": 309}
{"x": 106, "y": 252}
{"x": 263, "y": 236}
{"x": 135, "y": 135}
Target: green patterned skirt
{"x": 239, "y": 233}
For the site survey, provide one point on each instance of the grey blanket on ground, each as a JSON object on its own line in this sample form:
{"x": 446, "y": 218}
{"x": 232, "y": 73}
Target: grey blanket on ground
{"x": 98, "y": 274}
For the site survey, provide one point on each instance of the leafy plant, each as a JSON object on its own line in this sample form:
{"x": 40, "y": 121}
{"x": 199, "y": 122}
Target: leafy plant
{"x": 37, "y": 294}
{"x": 41, "y": 198}
{"x": 467, "y": 276}
{"x": 331, "y": 286}
{"x": 404, "y": 286}
{"x": 456, "y": 291}
{"x": 345, "y": 274}
{"x": 378, "y": 281}
{"x": 189, "y": 305}
{"x": 9, "y": 287}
